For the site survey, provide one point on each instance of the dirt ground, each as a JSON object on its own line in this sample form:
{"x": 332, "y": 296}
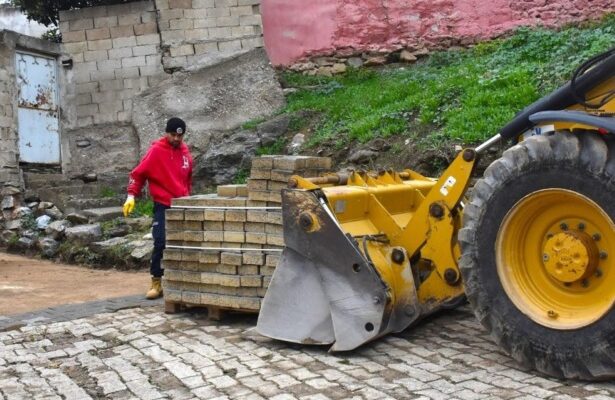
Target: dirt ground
{"x": 27, "y": 284}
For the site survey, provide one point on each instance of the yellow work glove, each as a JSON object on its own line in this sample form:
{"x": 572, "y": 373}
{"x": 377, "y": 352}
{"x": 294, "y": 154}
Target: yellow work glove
{"x": 129, "y": 205}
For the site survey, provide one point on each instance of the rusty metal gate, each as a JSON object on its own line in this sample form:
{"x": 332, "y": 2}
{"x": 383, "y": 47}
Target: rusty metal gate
{"x": 37, "y": 114}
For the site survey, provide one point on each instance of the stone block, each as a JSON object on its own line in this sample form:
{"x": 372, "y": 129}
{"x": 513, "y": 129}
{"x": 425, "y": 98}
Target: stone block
{"x": 230, "y": 258}
{"x": 256, "y": 216}
{"x": 127, "y": 73}
{"x": 209, "y": 257}
{"x": 194, "y": 215}
{"x": 263, "y": 162}
{"x": 227, "y": 21}
{"x": 105, "y": 22}
{"x": 233, "y": 226}
{"x": 195, "y": 13}
{"x": 241, "y": 10}
{"x": 213, "y": 236}
{"x": 172, "y": 295}
{"x": 151, "y": 70}
{"x": 258, "y": 195}
{"x": 174, "y": 214}
{"x": 225, "y": 3}
{"x": 203, "y": 4}
{"x": 274, "y": 229}
{"x": 107, "y": 65}
{"x": 104, "y": 44}
{"x": 226, "y": 269}
{"x": 175, "y": 235}
{"x": 235, "y": 237}
{"x": 274, "y": 217}
{"x": 212, "y": 226}
{"x": 256, "y": 237}
{"x": 274, "y": 186}
{"x": 120, "y": 53}
{"x": 197, "y": 35}
{"x": 242, "y": 31}
{"x": 275, "y": 197}
{"x": 253, "y": 258}
{"x": 129, "y": 19}
{"x": 121, "y": 31}
{"x": 254, "y": 227}
{"x": 193, "y": 225}
{"x": 146, "y": 28}
{"x": 252, "y": 43}
{"x": 162, "y": 4}
{"x": 174, "y": 225}
{"x": 260, "y": 173}
{"x": 193, "y": 236}
{"x": 191, "y": 297}
{"x": 214, "y": 215}
{"x": 153, "y": 60}
{"x": 102, "y": 75}
{"x": 250, "y": 20}
{"x": 172, "y": 254}
{"x": 97, "y": 34}
{"x": 220, "y": 34}
{"x": 81, "y": 24}
{"x": 248, "y": 2}
{"x": 74, "y": 48}
{"x": 129, "y": 41}
{"x": 256, "y": 184}
{"x": 272, "y": 260}
{"x": 76, "y": 36}
{"x": 235, "y": 215}
{"x": 203, "y": 48}
{"x": 169, "y": 14}
{"x": 138, "y": 61}
{"x": 182, "y": 50}
{"x": 85, "y": 110}
{"x": 251, "y": 281}
{"x": 235, "y": 302}
{"x": 148, "y": 39}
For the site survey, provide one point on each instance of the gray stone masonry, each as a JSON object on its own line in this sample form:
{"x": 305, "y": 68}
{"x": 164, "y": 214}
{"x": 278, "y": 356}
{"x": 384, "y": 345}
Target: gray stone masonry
{"x": 145, "y": 354}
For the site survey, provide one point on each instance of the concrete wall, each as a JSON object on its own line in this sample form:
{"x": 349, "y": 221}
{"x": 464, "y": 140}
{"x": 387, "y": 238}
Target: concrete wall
{"x": 116, "y": 54}
{"x": 9, "y": 150}
{"x": 297, "y": 30}
{"x": 119, "y": 52}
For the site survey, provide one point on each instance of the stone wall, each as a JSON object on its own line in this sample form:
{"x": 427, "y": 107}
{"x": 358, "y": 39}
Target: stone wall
{"x": 198, "y": 32}
{"x": 296, "y": 31}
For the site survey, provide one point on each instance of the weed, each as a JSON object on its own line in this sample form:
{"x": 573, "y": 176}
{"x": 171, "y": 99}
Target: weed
{"x": 143, "y": 208}
{"x": 107, "y": 192}
{"x": 252, "y": 124}
{"x": 276, "y": 147}
{"x": 241, "y": 177}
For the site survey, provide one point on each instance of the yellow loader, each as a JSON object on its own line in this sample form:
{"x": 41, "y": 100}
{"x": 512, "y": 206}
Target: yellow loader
{"x": 533, "y": 249}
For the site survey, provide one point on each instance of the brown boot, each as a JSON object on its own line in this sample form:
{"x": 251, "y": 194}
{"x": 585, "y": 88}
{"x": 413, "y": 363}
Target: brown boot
{"x": 155, "y": 290}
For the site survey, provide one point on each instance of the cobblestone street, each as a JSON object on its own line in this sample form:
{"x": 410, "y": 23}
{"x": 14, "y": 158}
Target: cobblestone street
{"x": 145, "y": 354}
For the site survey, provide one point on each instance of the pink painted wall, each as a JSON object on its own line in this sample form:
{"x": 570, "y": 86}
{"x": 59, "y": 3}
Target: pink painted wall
{"x": 297, "y": 29}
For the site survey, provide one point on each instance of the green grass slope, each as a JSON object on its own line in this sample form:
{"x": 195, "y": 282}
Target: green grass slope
{"x": 461, "y": 95}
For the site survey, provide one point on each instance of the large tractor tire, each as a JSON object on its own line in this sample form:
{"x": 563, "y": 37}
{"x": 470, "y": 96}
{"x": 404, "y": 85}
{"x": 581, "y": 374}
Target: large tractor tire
{"x": 538, "y": 254}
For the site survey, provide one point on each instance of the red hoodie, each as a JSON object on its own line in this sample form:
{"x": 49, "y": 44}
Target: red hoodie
{"x": 167, "y": 169}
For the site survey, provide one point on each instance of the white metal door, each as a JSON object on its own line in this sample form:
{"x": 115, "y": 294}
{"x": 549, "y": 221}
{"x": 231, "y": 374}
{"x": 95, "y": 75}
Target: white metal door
{"x": 37, "y": 113}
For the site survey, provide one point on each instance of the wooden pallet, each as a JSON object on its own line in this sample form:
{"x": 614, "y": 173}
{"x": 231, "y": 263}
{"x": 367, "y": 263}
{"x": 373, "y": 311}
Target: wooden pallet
{"x": 214, "y": 313}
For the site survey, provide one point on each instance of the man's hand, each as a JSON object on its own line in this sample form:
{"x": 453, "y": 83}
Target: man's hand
{"x": 129, "y": 205}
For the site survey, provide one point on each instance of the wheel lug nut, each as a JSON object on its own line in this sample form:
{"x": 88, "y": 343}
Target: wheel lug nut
{"x": 552, "y": 314}
{"x": 567, "y": 284}
{"x": 581, "y": 226}
{"x": 598, "y": 273}
{"x": 545, "y": 257}
{"x": 596, "y": 237}
{"x": 563, "y": 226}
{"x": 585, "y": 283}
{"x": 603, "y": 255}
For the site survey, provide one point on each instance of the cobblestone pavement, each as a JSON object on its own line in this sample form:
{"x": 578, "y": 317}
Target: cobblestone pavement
{"x": 142, "y": 353}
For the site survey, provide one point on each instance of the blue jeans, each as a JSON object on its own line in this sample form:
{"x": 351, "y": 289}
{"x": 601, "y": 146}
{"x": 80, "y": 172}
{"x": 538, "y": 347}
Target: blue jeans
{"x": 158, "y": 232}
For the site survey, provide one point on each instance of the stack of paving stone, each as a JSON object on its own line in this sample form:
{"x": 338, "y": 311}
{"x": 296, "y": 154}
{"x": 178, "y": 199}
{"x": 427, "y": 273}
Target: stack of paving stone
{"x": 223, "y": 248}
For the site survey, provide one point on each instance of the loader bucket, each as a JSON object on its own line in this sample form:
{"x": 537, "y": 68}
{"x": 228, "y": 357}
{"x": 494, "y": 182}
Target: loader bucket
{"x": 324, "y": 290}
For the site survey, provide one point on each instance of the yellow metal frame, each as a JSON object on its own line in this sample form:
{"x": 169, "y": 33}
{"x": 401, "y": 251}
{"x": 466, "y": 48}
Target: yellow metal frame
{"x": 409, "y": 212}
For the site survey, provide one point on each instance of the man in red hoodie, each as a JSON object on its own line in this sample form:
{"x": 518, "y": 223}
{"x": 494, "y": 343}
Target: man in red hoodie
{"x": 167, "y": 167}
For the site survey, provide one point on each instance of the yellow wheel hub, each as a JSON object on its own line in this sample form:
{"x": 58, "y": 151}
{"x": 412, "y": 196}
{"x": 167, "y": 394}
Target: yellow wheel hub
{"x": 570, "y": 256}
{"x": 552, "y": 255}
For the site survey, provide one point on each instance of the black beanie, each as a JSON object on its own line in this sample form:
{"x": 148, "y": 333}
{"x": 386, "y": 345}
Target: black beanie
{"x": 176, "y": 125}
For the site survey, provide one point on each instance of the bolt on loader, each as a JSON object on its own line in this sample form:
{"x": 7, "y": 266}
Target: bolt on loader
{"x": 532, "y": 249}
